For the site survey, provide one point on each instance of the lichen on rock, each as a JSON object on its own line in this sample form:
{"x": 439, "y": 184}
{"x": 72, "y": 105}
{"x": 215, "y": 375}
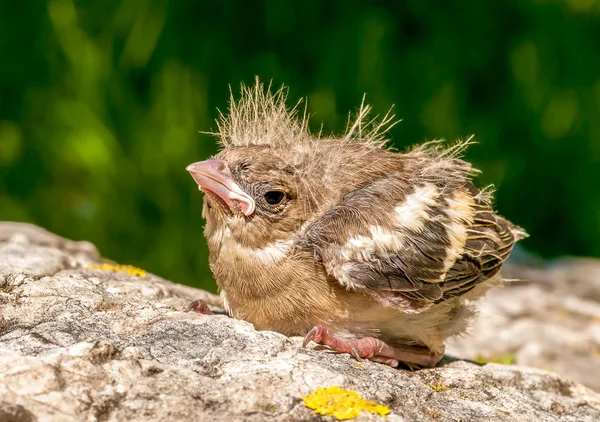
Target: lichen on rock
{"x": 341, "y": 404}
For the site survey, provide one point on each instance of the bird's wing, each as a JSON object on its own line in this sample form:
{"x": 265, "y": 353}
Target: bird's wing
{"x": 413, "y": 239}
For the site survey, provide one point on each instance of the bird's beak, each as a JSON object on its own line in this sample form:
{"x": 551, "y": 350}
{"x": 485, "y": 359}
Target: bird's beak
{"x": 213, "y": 177}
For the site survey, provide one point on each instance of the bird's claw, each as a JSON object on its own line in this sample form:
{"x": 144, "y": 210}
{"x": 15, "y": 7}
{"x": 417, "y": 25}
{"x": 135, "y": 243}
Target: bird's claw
{"x": 312, "y": 335}
{"x": 355, "y": 354}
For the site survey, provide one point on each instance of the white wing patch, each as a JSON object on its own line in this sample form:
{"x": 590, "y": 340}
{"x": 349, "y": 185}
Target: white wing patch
{"x": 341, "y": 271}
{"x": 460, "y": 213}
{"x": 412, "y": 214}
{"x": 362, "y": 248}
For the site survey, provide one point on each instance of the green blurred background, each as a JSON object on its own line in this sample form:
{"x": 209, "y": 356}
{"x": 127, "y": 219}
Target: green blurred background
{"x": 101, "y": 104}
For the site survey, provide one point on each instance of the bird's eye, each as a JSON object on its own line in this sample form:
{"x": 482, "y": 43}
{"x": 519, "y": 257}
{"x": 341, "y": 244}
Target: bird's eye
{"x": 274, "y": 197}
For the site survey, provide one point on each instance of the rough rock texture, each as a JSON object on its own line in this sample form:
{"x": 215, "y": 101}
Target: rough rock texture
{"x": 550, "y": 320}
{"x": 96, "y": 345}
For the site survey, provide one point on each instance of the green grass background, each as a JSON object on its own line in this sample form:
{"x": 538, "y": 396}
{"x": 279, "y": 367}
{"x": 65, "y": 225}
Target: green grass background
{"x": 102, "y": 102}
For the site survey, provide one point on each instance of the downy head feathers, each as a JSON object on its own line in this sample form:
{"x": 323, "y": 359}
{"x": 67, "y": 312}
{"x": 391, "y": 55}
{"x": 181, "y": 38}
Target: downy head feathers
{"x": 261, "y": 117}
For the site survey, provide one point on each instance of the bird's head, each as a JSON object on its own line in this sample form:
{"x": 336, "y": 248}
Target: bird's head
{"x": 272, "y": 176}
{"x": 259, "y": 194}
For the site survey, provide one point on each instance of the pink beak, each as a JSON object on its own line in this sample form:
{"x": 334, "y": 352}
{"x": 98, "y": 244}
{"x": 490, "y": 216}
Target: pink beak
{"x": 214, "y": 177}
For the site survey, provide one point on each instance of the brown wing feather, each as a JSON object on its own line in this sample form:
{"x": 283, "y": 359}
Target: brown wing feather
{"x": 490, "y": 241}
{"x": 413, "y": 241}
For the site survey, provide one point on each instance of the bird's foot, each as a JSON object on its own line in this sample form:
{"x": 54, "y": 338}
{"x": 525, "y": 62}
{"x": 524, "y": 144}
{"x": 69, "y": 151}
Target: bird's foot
{"x": 375, "y": 349}
{"x": 199, "y": 306}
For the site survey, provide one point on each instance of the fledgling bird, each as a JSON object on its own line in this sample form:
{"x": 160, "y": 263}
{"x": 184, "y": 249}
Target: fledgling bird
{"x": 371, "y": 252}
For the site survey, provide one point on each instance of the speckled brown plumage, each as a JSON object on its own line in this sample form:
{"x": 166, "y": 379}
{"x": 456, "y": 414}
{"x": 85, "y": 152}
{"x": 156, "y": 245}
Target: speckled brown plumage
{"x": 378, "y": 250}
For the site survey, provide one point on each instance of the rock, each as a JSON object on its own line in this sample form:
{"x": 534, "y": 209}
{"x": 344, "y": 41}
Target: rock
{"x": 115, "y": 344}
{"x": 550, "y": 319}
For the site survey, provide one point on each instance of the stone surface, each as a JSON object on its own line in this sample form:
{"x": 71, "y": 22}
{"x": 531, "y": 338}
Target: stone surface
{"x": 78, "y": 344}
{"x": 550, "y": 319}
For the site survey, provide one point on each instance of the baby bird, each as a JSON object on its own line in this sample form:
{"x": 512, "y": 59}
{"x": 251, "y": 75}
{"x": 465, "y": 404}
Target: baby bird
{"x": 368, "y": 251}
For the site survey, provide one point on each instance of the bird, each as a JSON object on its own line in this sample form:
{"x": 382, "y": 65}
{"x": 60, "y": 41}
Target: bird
{"x": 366, "y": 250}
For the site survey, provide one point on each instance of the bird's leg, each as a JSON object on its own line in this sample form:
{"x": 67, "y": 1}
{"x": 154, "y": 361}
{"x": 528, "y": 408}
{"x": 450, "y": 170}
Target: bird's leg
{"x": 199, "y": 306}
{"x": 375, "y": 349}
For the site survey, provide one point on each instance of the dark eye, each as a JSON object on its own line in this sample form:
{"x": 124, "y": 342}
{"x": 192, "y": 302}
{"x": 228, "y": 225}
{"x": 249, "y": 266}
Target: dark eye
{"x": 274, "y": 197}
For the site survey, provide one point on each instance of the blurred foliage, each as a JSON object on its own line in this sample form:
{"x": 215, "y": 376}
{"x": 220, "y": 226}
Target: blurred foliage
{"x": 101, "y": 104}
